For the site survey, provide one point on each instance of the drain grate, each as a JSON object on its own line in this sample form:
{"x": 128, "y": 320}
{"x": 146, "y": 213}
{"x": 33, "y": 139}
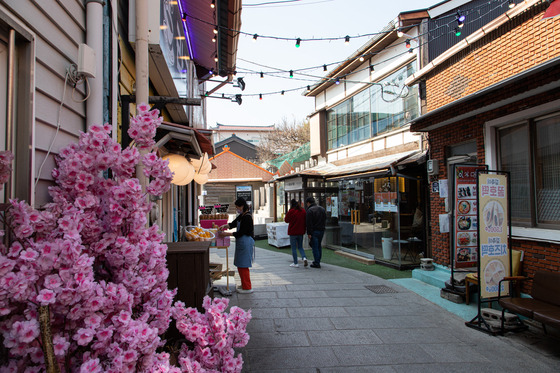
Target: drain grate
{"x": 381, "y": 289}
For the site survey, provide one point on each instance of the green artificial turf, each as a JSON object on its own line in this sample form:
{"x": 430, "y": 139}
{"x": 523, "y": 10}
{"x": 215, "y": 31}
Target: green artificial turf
{"x": 330, "y": 257}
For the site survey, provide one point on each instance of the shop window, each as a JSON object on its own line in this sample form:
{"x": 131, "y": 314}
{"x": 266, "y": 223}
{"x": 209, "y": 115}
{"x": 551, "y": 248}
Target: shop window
{"x": 530, "y": 151}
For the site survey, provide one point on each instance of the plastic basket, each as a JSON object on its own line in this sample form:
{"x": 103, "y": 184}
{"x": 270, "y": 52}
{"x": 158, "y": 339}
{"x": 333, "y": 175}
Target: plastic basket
{"x": 195, "y": 233}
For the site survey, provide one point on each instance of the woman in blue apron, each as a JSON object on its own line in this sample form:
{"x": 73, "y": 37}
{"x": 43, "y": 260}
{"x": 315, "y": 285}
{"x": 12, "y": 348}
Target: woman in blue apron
{"x": 244, "y": 243}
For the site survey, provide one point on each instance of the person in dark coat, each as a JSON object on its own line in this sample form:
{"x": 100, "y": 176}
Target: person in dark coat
{"x": 296, "y": 229}
{"x": 315, "y": 219}
{"x": 244, "y": 243}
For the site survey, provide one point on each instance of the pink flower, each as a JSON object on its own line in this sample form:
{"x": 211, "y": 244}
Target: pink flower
{"x": 29, "y": 255}
{"x": 46, "y": 297}
{"x": 91, "y": 366}
{"x": 124, "y": 317}
{"x": 26, "y": 331}
{"x": 84, "y": 336}
{"x": 52, "y": 281}
{"x": 60, "y": 345}
{"x": 130, "y": 356}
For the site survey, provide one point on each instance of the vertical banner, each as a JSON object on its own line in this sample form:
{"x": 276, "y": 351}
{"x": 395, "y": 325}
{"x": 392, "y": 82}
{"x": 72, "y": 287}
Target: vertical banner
{"x": 466, "y": 216}
{"x": 494, "y": 231}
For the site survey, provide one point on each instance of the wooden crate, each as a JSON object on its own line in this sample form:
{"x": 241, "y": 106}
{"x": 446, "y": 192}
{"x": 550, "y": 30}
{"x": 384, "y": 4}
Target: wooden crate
{"x": 216, "y": 271}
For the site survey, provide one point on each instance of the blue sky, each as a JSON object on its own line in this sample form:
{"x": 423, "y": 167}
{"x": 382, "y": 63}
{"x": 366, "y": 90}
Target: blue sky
{"x": 296, "y": 19}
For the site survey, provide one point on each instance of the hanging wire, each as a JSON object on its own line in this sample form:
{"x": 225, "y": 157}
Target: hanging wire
{"x": 346, "y": 37}
{"x": 280, "y": 73}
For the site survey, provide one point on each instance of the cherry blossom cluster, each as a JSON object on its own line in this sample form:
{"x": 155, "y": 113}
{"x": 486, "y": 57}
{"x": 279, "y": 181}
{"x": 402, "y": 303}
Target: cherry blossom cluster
{"x": 6, "y": 159}
{"x": 89, "y": 256}
{"x": 143, "y": 127}
{"x": 214, "y": 334}
{"x": 91, "y": 259}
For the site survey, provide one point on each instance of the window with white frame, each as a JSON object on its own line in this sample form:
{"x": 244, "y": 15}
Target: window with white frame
{"x": 530, "y": 151}
{"x": 380, "y": 108}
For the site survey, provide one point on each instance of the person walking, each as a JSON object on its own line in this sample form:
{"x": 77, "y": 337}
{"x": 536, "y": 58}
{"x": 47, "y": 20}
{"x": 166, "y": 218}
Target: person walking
{"x": 244, "y": 243}
{"x": 296, "y": 229}
{"x": 315, "y": 219}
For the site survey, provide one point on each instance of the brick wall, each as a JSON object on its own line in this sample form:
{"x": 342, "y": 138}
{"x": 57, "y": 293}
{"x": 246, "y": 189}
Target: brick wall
{"x": 543, "y": 256}
{"x": 471, "y": 129}
{"x": 523, "y": 43}
{"x": 231, "y": 166}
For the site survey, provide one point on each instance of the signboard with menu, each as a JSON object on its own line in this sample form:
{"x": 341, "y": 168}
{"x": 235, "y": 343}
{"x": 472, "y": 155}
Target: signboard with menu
{"x": 466, "y": 216}
{"x": 493, "y": 218}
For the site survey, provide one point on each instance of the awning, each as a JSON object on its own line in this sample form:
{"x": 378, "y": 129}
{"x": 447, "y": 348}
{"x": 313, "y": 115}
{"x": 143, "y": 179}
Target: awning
{"x": 204, "y": 138}
{"x": 177, "y": 138}
{"x": 200, "y": 22}
{"x": 370, "y": 167}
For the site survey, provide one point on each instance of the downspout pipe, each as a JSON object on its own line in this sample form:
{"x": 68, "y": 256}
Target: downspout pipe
{"x": 94, "y": 39}
{"x": 142, "y": 73}
{"x": 141, "y": 58}
{"x": 114, "y": 90}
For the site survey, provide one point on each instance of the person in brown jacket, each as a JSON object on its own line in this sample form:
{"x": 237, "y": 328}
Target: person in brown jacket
{"x": 296, "y": 229}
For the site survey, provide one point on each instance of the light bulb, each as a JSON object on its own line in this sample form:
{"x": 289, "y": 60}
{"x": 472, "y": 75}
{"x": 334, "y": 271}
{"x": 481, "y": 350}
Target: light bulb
{"x": 347, "y": 40}
{"x": 460, "y": 19}
{"x": 298, "y": 42}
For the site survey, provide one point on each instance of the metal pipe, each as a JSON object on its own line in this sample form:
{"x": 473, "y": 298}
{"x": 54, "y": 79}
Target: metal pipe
{"x": 94, "y": 39}
{"x": 9, "y": 187}
{"x": 141, "y": 57}
{"x": 142, "y": 70}
{"x": 114, "y": 68}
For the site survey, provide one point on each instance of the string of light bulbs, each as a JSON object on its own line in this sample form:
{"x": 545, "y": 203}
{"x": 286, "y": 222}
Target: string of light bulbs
{"x": 279, "y": 72}
{"x": 459, "y": 17}
{"x": 347, "y": 38}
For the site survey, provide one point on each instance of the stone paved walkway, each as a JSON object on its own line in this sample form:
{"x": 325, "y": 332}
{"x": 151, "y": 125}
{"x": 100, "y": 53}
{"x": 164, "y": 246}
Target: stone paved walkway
{"x": 330, "y": 320}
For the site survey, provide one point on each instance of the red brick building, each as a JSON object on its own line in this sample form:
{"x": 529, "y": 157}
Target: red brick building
{"x": 493, "y": 98}
{"x": 231, "y": 171}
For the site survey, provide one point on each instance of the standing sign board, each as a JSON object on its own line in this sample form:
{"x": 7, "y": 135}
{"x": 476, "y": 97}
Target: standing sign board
{"x": 246, "y": 192}
{"x": 494, "y": 233}
{"x": 466, "y": 216}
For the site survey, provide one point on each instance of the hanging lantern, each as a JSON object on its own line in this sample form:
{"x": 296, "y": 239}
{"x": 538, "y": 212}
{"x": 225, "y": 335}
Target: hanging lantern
{"x": 180, "y": 167}
{"x": 201, "y": 178}
{"x": 202, "y": 165}
{"x": 189, "y": 177}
